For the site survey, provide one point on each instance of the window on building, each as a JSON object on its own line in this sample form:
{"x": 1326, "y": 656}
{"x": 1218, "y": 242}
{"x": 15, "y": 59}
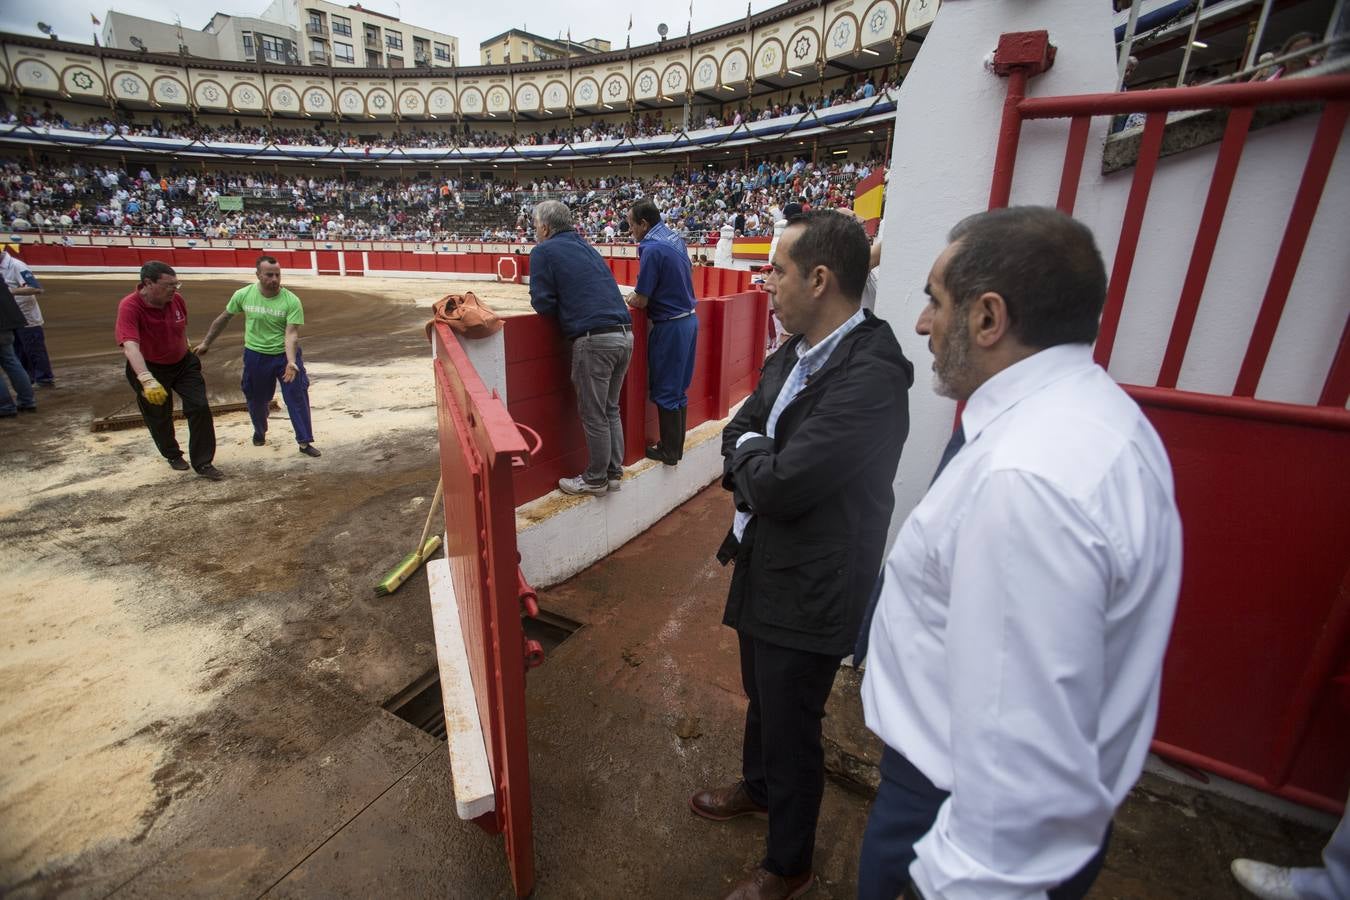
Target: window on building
{"x": 487, "y": 57}
{"x": 343, "y": 52}
{"x": 273, "y": 48}
{"x": 393, "y": 39}
{"x": 315, "y": 19}
{"x": 248, "y": 44}
{"x": 317, "y": 46}
{"x": 442, "y": 51}
{"x": 372, "y": 59}
{"x": 395, "y": 62}
{"x": 342, "y": 25}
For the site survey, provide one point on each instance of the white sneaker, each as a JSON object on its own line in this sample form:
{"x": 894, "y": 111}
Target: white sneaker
{"x": 579, "y": 485}
{"x": 615, "y": 484}
{"x": 1264, "y": 880}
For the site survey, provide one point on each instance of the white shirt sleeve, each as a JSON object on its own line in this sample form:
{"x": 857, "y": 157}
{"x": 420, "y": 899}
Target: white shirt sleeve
{"x": 1030, "y": 575}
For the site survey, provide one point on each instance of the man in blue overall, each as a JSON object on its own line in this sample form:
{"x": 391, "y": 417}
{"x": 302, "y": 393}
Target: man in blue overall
{"x": 665, "y": 289}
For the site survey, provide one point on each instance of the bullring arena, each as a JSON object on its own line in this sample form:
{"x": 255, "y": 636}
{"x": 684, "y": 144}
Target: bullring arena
{"x": 202, "y": 693}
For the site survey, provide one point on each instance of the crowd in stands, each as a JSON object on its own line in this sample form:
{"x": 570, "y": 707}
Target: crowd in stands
{"x": 79, "y": 198}
{"x": 447, "y": 136}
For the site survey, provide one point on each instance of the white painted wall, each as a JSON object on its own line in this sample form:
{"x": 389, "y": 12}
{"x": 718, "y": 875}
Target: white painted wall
{"x": 942, "y": 162}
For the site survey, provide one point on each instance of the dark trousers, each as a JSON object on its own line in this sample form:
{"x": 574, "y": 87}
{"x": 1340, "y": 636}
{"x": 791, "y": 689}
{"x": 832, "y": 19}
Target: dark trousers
{"x": 905, "y": 809}
{"x": 782, "y": 762}
{"x": 32, "y": 347}
{"x": 670, "y": 361}
{"x": 262, "y": 372}
{"x": 183, "y": 378}
{"x": 14, "y": 371}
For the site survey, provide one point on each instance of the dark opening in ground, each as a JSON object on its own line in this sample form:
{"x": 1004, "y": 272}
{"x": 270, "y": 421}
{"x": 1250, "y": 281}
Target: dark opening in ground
{"x": 420, "y": 703}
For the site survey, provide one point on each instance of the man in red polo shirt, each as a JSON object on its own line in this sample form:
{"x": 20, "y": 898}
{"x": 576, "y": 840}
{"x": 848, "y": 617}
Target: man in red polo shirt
{"x": 152, "y": 331}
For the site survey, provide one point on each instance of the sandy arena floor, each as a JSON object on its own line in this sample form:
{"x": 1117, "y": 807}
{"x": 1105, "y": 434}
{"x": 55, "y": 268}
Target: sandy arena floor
{"x": 137, "y": 597}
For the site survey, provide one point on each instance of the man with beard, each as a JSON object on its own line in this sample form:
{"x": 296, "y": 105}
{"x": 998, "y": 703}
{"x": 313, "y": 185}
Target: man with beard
{"x": 1019, "y": 630}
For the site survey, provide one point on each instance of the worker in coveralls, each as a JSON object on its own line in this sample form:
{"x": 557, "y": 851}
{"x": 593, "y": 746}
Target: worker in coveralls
{"x": 665, "y": 289}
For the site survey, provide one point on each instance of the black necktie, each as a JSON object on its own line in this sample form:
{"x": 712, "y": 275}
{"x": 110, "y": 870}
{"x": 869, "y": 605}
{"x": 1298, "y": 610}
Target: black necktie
{"x": 860, "y": 646}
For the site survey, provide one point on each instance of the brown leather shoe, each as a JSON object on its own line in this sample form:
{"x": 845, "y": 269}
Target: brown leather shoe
{"x": 727, "y": 802}
{"x": 764, "y": 885}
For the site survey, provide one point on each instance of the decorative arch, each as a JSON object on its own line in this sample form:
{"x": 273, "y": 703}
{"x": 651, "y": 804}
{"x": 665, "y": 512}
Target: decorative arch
{"x": 77, "y": 79}
{"x": 283, "y": 98}
{"x": 246, "y": 95}
{"x": 379, "y": 102}
{"x": 130, "y": 86}
{"x": 706, "y": 72}
{"x": 586, "y": 92}
{"x": 803, "y": 48}
{"x": 647, "y": 84}
{"x": 498, "y": 99}
{"x": 879, "y": 23}
{"x": 317, "y": 100}
{"x": 471, "y": 101}
{"x": 411, "y": 102}
{"x": 169, "y": 91}
{"x": 529, "y": 98}
{"x": 36, "y": 75}
{"x": 841, "y": 38}
{"x": 614, "y": 90}
{"x": 211, "y": 94}
{"x": 441, "y": 102}
{"x": 735, "y": 66}
{"x": 351, "y": 102}
{"x": 769, "y": 58}
{"x": 555, "y": 95}
{"x": 675, "y": 79}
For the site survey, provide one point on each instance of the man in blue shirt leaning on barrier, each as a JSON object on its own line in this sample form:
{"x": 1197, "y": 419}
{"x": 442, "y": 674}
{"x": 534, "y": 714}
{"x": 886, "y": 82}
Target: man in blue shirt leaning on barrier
{"x": 665, "y": 288}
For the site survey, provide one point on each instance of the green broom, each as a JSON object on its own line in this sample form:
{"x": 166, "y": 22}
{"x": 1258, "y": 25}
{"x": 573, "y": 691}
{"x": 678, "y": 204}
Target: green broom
{"x": 414, "y": 560}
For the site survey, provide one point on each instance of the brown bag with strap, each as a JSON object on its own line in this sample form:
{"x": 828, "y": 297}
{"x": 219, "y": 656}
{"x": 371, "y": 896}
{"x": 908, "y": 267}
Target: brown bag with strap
{"x": 466, "y": 315}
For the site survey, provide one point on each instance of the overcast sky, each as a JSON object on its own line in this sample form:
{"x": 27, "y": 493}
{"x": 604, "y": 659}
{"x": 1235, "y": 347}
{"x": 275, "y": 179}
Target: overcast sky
{"x": 471, "y": 22}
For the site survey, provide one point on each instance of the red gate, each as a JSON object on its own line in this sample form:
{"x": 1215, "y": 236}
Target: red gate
{"x": 479, "y": 446}
{"x": 1258, "y": 666}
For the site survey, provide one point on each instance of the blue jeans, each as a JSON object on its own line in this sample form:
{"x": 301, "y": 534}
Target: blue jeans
{"x": 262, "y": 371}
{"x": 32, "y": 349}
{"x": 23, "y": 388}
{"x": 670, "y": 361}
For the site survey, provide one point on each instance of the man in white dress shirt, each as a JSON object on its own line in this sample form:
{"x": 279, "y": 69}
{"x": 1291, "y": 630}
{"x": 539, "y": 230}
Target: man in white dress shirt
{"x": 1018, "y": 636}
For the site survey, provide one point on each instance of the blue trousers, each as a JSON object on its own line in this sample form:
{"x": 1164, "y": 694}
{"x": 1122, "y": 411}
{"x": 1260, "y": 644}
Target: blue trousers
{"x": 670, "y": 361}
{"x": 32, "y": 347}
{"x": 262, "y": 372}
{"x": 905, "y": 809}
{"x": 13, "y": 369}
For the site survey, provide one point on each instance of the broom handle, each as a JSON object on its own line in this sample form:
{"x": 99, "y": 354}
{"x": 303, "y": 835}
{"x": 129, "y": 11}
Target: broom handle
{"x": 431, "y": 514}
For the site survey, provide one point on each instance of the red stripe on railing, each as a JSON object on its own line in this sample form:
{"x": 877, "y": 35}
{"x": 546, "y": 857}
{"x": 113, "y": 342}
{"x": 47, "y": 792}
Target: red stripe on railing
{"x": 1073, "y": 164}
{"x": 1320, "y": 158}
{"x": 1131, "y": 224}
{"x": 1336, "y": 390}
{"x": 1285, "y": 90}
{"x": 1009, "y": 134}
{"x": 1206, "y": 237}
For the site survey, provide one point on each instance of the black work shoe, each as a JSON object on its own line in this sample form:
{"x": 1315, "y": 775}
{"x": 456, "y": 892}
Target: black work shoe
{"x": 258, "y": 439}
{"x": 211, "y": 473}
{"x": 310, "y": 450}
{"x": 178, "y": 464}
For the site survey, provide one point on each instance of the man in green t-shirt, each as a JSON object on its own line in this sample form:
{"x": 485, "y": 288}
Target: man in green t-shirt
{"x": 272, "y": 319}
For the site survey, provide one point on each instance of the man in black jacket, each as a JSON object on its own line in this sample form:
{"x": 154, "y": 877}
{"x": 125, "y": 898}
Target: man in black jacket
{"x": 11, "y": 317}
{"x": 810, "y": 459}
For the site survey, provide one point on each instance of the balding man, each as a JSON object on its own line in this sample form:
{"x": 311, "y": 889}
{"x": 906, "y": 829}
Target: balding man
{"x": 570, "y": 282}
{"x": 1017, "y": 645}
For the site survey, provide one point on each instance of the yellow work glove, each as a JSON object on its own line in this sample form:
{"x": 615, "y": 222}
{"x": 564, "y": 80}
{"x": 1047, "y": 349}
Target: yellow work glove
{"x": 154, "y": 391}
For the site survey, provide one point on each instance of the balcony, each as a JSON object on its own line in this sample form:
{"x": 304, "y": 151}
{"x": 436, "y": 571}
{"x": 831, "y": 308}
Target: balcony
{"x": 316, "y": 29}
{"x": 373, "y": 40}
{"x": 319, "y": 58}
{"x": 422, "y": 59}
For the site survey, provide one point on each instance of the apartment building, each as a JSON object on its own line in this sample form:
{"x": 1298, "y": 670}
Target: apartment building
{"x": 350, "y": 36}
{"x": 523, "y": 46}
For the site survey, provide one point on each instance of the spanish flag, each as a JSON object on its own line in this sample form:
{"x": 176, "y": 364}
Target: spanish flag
{"x": 869, "y": 198}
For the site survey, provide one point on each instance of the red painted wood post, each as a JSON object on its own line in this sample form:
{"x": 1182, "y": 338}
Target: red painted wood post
{"x": 720, "y": 337}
